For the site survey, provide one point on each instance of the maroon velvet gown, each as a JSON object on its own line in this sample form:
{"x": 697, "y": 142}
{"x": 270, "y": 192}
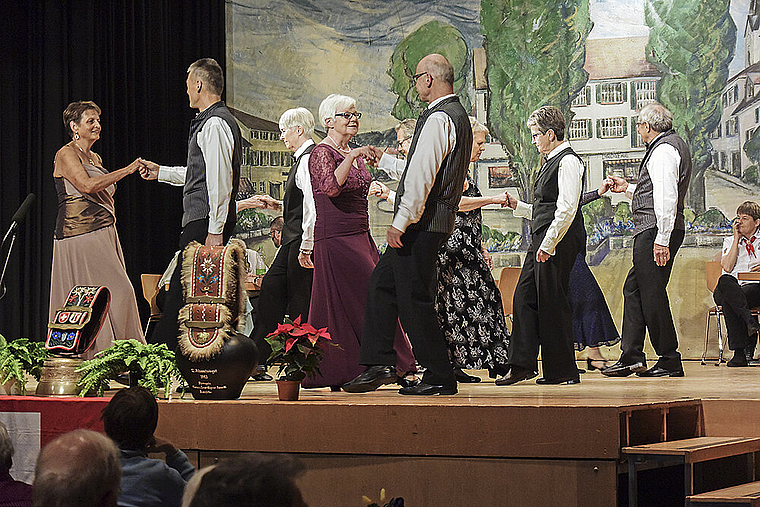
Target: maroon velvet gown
{"x": 344, "y": 257}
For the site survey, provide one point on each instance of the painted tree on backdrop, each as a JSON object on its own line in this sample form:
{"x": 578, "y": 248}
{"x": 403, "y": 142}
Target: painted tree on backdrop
{"x": 432, "y": 37}
{"x": 535, "y": 52}
{"x": 692, "y": 43}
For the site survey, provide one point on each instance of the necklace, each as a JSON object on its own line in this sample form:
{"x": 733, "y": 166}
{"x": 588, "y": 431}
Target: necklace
{"x": 342, "y": 150}
{"x": 83, "y": 153}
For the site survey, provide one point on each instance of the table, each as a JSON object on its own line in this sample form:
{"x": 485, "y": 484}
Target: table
{"x": 753, "y": 276}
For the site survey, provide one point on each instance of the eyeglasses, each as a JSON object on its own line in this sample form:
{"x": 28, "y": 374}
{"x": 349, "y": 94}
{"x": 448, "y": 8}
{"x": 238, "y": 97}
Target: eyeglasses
{"x": 348, "y": 115}
{"x": 417, "y": 76}
{"x": 403, "y": 140}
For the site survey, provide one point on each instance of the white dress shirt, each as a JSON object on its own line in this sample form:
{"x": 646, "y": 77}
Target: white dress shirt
{"x": 303, "y": 182}
{"x": 745, "y": 260}
{"x": 216, "y": 143}
{"x": 393, "y": 166}
{"x": 436, "y": 140}
{"x": 663, "y": 167}
{"x": 570, "y": 180}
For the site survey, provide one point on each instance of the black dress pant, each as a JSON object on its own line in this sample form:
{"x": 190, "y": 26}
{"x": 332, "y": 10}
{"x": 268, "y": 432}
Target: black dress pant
{"x": 542, "y": 314}
{"x": 285, "y": 289}
{"x": 646, "y": 305}
{"x": 402, "y": 287}
{"x": 736, "y": 301}
{"x": 167, "y": 329}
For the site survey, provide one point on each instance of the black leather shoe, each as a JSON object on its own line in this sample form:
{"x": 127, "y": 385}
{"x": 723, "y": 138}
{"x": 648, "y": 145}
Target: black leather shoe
{"x": 659, "y": 371}
{"x": 464, "y": 378}
{"x": 620, "y": 369}
{"x": 562, "y": 380}
{"x": 408, "y": 380}
{"x": 514, "y": 375}
{"x": 423, "y": 389}
{"x": 739, "y": 359}
{"x": 371, "y": 378}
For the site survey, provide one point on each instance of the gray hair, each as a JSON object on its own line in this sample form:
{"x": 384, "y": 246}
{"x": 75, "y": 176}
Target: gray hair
{"x": 548, "y": 118}
{"x": 408, "y": 125}
{"x": 477, "y": 126}
{"x": 78, "y": 468}
{"x": 300, "y": 116}
{"x": 332, "y": 103}
{"x": 6, "y": 448}
{"x": 210, "y": 73}
{"x": 657, "y": 116}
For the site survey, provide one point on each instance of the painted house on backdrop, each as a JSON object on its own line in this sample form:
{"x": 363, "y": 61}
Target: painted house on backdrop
{"x": 603, "y": 128}
{"x": 266, "y": 160}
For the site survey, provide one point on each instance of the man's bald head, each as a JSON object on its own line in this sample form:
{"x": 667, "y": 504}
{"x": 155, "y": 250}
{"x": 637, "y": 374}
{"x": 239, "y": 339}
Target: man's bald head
{"x": 80, "y": 468}
{"x": 439, "y": 67}
{"x": 434, "y": 78}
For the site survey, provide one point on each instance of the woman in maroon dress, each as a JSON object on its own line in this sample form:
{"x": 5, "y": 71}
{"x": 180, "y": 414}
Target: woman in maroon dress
{"x": 344, "y": 252}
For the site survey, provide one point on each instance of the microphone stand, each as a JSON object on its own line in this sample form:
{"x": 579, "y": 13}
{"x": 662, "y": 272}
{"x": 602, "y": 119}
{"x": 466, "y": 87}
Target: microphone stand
{"x": 12, "y": 233}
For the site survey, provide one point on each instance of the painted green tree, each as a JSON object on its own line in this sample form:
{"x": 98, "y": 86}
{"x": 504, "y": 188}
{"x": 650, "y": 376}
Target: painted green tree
{"x": 432, "y": 37}
{"x": 535, "y": 52}
{"x": 692, "y": 43}
{"x": 752, "y": 147}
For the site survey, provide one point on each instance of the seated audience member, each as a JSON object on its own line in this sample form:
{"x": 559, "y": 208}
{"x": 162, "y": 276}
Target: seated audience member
{"x": 78, "y": 469}
{"x": 740, "y": 253}
{"x": 252, "y": 480}
{"x": 130, "y": 419}
{"x": 192, "y": 485}
{"x": 275, "y": 231}
{"x": 12, "y": 493}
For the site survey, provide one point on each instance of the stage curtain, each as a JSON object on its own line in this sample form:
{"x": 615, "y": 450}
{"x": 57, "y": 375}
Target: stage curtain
{"x": 131, "y": 58}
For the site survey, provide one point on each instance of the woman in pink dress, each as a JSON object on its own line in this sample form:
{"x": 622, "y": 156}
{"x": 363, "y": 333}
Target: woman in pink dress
{"x": 344, "y": 252}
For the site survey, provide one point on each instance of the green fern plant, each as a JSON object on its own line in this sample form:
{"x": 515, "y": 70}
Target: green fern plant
{"x": 154, "y": 363}
{"x": 21, "y": 356}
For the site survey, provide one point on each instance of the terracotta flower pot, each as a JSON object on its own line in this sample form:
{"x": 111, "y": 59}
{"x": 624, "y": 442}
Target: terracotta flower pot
{"x": 287, "y": 390}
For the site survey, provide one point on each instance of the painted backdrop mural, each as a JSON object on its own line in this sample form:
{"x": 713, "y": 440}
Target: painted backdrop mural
{"x": 598, "y": 60}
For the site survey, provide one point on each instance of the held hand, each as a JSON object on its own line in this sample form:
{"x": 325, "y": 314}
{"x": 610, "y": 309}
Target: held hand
{"x": 605, "y": 186}
{"x": 149, "y": 170}
{"x": 253, "y": 202}
{"x": 661, "y": 255}
{"x": 542, "y": 256}
{"x": 213, "y": 239}
{"x": 379, "y": 189}
{"x": 270, "y": 202}
{"x": 377, "y": 152}
{"x": 134, "y": 166}
{"x": 618, "y": 184}
{"x": 393, "y": 236}
{"x": 160, "y": 445}
{"x": 511, "y": 201}
{"x": 500, "y": 199}
{"x": 304, "y": 259}
{"x": 366, "y": 152}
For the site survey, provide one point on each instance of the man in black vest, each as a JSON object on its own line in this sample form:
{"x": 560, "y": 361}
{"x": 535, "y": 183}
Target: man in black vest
{"x": 403, "y": 283}
{"x": 286, "y": 287}
{"x": 657, "y": 202}
{"x": 210, "y": 179}
{"x": 542, "y": 315}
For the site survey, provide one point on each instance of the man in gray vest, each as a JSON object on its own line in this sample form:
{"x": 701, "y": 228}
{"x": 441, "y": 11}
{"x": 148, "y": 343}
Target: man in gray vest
{"x": 403, "y": 283}
{"x": 542, "y": 315}
{"x": 286, "y": 288}
{"x": 210, "y": 179}
{"x": 657, "y": 205}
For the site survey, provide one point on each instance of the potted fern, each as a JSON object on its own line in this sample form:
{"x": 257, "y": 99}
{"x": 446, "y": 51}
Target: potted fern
{"x": 153, "y": 364}
{"x": 19, "y": 358}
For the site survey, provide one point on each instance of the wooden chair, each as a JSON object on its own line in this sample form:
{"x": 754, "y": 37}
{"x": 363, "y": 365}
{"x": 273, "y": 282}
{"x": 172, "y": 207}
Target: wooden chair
{"x": 507, "y": 285}
{"x": 149, "y": 284}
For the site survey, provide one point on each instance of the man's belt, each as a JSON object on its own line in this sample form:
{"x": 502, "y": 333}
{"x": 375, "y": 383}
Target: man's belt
{"x": 76, "y": 325}
{"x": 213, "y": 283}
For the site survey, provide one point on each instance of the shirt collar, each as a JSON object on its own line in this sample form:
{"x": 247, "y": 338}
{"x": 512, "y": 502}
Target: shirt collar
{"x": 752, "y": 237}
{"x": 302, "y": 148}
{"x": 555, "y": 151}
{"x": 436, "y": 101}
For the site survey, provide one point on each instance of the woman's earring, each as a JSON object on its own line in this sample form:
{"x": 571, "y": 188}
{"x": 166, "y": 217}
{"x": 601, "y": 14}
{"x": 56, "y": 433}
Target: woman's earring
{"x": 76, "y": 136}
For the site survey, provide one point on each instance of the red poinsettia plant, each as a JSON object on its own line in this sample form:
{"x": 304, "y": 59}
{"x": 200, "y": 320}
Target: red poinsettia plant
{"x": 298, "y": 347}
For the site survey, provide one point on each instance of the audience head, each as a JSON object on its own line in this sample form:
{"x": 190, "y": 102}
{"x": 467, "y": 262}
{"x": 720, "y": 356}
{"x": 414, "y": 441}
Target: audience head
{"x": 78, "y": 469}
{"x": 205, "y": 82}
{"x": 192, "y": 485}
{"x": 275, "y": 230}
{"x": 747, "y": 218}
{"x": 75, "y": 110}
{"x": 296, "y": 126}
{"x": 6, "y": 449}
{"x": 434, "y": 77}
{"x": 479, "y": 133}
{"x": 130, "y": 418}
{"x": 252, "y": 480}
{"x": 404, "y": 133}
{"x": 332, "y": 104}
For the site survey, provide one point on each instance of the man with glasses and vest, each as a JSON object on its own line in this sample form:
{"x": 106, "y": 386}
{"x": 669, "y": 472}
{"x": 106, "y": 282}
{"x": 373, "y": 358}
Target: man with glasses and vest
{"x": 286, "y": 286}
{"x": 657, "y": 203}
{"x": 542, "y": 315}
{"x": 210, "y": 179}
{"x": 403, "y": 283}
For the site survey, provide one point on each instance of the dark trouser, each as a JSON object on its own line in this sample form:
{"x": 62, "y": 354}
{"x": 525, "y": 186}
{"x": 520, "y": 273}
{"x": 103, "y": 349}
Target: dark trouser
{"x": 167, "y": 329}
{"x": 402, "y": 287}
{"x": 736, "y": 301}
{"x": 646, "y": 305}
{"x": 542, "y": 315}
{"x": 286, "y": 288}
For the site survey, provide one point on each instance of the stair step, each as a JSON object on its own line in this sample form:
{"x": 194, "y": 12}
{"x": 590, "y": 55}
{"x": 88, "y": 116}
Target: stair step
{"x": 696, "y": 450}
{"x": 743, "y": 494}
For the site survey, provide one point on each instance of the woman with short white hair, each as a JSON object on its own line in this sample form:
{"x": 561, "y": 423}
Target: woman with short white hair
{"x": 344, "y": 252}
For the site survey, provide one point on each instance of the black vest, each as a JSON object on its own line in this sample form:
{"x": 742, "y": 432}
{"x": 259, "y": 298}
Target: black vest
{"x": 442, "y": 201}
{"x": 546, "y": 192}
{"x": 642, "y": 203}
{"x": 195, "y": 203}
{"x": 292, "y": 203}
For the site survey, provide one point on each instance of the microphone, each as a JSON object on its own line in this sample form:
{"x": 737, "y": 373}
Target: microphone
{"x": 22, "y": 210}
